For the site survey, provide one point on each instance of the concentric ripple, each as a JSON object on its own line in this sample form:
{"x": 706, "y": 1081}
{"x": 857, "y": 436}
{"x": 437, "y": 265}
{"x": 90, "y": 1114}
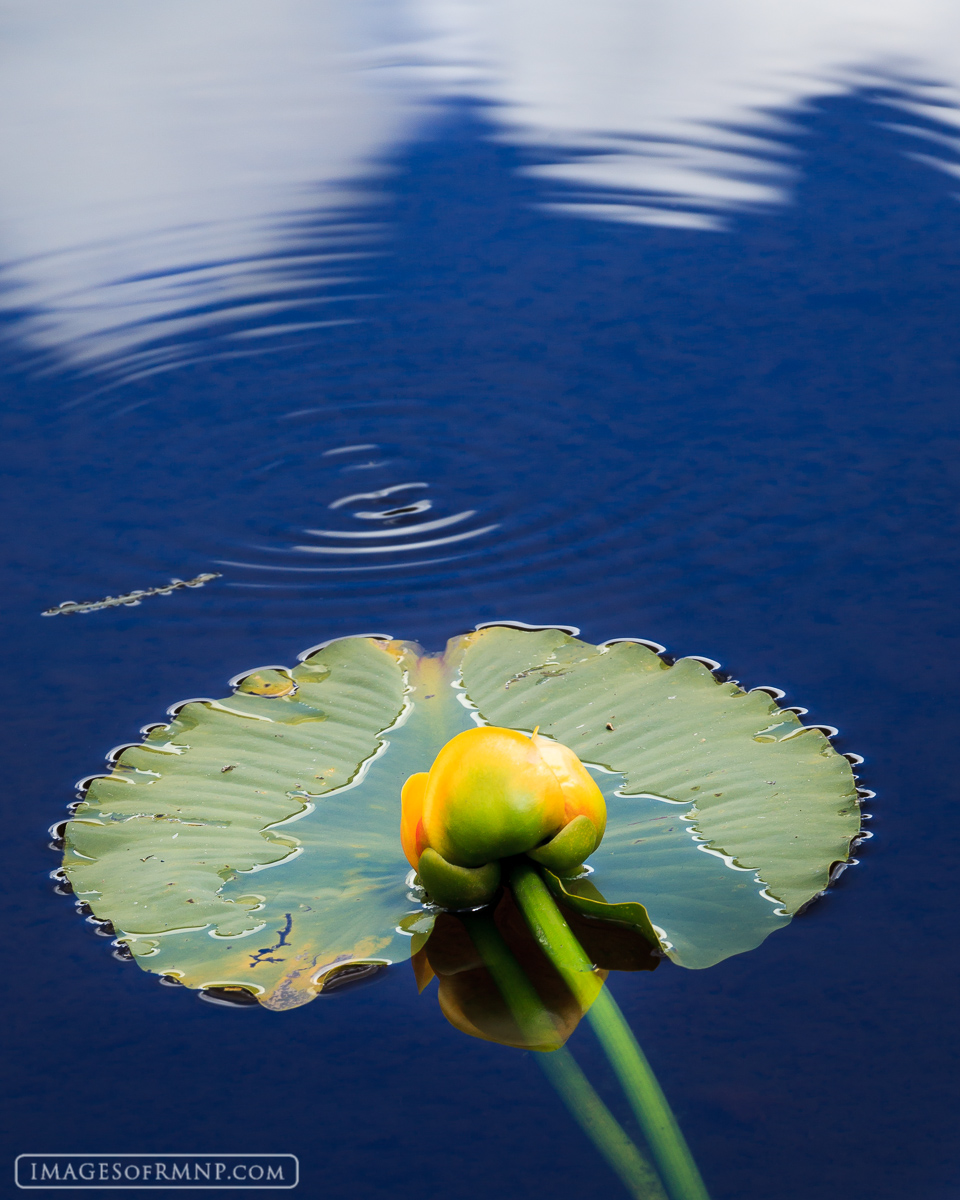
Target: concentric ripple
{"x": 380, "y": 528}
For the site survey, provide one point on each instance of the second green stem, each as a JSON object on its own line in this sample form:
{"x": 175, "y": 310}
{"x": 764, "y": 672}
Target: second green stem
{"x": 638, "y": 1081}
{"x": 535, "y": 1022}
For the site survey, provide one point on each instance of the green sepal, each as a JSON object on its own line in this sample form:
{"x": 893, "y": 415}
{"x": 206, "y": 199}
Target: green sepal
{"x": 567, "y": 849}
{"x": 584, "y": 898}
{"x": 456, "y": 887}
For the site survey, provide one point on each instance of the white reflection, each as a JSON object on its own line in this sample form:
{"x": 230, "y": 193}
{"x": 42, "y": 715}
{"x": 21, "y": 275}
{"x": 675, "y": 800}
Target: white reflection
{"x": 154, "y": 154}
{"x": 158, "y": 159}
{"x": 672, "y": 106}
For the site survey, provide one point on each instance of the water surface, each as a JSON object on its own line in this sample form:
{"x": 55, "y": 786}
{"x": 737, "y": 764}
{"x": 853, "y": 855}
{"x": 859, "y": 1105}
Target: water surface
{"x": 408, "y": 316}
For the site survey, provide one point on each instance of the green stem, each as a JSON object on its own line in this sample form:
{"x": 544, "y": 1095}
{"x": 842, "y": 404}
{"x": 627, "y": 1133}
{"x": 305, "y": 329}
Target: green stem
{"x": 647, "y": 1100}
{"x": 638, "y": 1081}
{"x": 600, "y": 1125}
{"x": 518, "y": 992}
{"x": 583, "y": 1103}
{"x": 554, "y": 935}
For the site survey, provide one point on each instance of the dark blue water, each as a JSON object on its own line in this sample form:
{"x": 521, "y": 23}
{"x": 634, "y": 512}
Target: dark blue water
{"x": 741, "y": 443}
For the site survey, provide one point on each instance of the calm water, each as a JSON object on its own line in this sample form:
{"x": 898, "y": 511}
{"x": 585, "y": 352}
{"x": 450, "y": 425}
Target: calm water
{"x": 643, "y": 320}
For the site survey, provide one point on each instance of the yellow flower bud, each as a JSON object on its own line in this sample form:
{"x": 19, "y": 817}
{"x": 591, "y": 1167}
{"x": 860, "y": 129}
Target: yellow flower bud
{"x": 489, "y": 794}
{"x": 581, "y": 796}
{"x": 412, "y": 837}
{"x": 492, "y": 793}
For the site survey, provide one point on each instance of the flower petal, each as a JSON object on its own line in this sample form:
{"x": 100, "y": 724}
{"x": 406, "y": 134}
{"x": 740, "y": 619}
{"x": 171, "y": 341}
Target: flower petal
{"x": 581, "y": 796}
{"x": 412, "y": 836}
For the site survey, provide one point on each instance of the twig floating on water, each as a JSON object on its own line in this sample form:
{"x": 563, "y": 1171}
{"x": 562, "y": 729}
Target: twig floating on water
{"x": 129, "y": 598}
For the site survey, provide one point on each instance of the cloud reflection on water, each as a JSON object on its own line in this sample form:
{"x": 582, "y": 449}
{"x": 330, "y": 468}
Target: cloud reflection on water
{"x": 673, "y": 113}
{"x": 156, "y": 158}
{"x": 161, "y": 162}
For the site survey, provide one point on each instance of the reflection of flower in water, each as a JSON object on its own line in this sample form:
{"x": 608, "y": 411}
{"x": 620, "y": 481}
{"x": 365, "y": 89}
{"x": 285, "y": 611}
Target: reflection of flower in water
{"x": 469, "y": 997}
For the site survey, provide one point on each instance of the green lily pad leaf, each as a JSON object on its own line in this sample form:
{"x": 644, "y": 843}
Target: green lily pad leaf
{"x": 194, "y": 846}
{"x": 254, "y": 840}
{"x": 267, "y": 681}
{"x": 728, "y": 814}
{"x": 584, "y": 897}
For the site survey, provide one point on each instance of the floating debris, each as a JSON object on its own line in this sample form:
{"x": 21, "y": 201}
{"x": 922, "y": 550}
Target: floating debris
{"x": 129, "y": 598}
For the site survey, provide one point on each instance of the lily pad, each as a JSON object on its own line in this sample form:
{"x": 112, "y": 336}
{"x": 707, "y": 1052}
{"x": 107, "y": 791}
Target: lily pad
{"x": 759, "y": 787}
{"x": 254, "y": 841}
